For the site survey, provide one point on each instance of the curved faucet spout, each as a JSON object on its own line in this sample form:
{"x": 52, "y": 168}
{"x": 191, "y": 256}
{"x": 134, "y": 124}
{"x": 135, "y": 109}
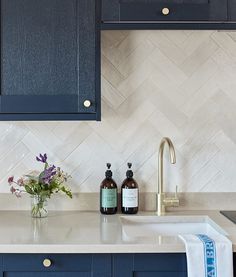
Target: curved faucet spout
{"x": 160, "y": 160}
{"x": 171, "y": 149}
{"x": 160, "y": 196}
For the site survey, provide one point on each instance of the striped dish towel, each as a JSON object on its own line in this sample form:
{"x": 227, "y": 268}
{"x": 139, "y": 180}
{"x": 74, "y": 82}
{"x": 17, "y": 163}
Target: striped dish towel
{"x": 208, "y": 256}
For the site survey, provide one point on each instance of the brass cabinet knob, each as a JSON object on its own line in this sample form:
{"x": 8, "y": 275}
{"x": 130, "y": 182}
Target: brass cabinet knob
{"x": 47, "y": 263}
{"x": 87, "y": 103}
{"x": 165, "y": 11}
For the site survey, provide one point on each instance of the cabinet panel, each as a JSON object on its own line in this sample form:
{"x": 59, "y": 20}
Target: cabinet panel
{"x": 150, "y": 265}
{"x": 39, "y": 47}
{"x": 160, "y": 274}
{"x": 47, "y": 274}
{"x": 232, "y": 10}
{"x": 50, "y": 58}
{"x": 160, "y": 262}
{"x": 152, "y": 10}
{"x": 110, "y": 10}
{"x": 62, "y": 262}
{"x": 62, "y": 265}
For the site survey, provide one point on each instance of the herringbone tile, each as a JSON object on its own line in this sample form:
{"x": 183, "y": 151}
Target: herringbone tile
{"x": 179, "y": 84}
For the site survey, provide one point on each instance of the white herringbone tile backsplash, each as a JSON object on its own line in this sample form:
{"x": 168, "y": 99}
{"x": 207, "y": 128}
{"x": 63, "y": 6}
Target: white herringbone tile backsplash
{"x": 180, "y": 84}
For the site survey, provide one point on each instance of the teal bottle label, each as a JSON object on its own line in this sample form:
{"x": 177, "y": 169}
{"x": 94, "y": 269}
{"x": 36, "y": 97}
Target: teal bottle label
{"x": 109, "y": 198}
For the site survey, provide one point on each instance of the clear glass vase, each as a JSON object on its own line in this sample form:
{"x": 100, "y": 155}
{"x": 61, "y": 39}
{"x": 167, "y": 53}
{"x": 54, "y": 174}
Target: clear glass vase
{"x": 39, "y": 206}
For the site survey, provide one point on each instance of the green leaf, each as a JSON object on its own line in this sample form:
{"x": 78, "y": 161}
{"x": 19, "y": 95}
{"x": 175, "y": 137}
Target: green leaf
{"x": 32, "y": 177}
{"x": 66, "y": 191}
{"x": 29, "y": 190}
{"x": 45, "y": 194}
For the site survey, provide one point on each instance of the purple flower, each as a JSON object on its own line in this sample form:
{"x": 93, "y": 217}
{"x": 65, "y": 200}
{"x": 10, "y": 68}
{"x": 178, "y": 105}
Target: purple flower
{"x": 48, "y": 174}
{"x": 11, "y": 180}
{"x": 42, "y": 158}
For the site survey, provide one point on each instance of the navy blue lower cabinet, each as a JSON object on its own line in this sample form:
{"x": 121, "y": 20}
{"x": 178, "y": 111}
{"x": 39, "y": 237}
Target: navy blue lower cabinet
{"x": 94, "y": 265}
{"x": 150, "y": 265}
{"x": 55, "y": 265}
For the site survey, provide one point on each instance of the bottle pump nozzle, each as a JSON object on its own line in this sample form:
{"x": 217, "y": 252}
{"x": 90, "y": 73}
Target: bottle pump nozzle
{"x": 129, "y": 172}
{"x": 108, "y": 172}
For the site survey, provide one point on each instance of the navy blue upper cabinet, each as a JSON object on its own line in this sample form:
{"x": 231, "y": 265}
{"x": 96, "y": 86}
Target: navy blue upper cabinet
{"x": 50, "y": 67}
{"x": 232, "y": 10}
{"x": 164, "y": 10}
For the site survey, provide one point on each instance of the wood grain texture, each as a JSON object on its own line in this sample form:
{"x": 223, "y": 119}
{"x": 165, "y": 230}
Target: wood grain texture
{"x": 50, "y": 48}
{"x": 39, "y": 47}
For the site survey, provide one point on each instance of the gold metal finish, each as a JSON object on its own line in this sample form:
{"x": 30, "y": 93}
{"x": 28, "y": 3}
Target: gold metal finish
{"x": 162, "y": 201}
{"x": 87, "y": 103}
{"x": 47, "y": 263}
{"x": 165, "y": 11}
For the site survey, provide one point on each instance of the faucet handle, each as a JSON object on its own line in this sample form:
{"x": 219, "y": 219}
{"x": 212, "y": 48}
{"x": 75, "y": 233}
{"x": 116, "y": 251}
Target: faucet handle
{"x": 176, "y": 198}
{"x": 176, "y": 192}
{"x": 172, "y": 201}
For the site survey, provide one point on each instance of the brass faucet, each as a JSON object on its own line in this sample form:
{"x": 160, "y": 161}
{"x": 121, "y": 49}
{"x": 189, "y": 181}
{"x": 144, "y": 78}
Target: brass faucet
{"x": 163, "y": 201}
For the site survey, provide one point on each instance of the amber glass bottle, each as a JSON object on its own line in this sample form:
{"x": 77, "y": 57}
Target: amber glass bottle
{"x": 129, "y": 193}
{"x": 108, "y": 194}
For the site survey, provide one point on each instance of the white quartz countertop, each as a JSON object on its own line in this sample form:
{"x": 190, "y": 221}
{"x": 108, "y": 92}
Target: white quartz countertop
{"x": 88, "y": 232}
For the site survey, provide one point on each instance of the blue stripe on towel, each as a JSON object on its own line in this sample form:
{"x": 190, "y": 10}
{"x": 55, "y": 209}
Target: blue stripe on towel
{"x": 209, "y": 254}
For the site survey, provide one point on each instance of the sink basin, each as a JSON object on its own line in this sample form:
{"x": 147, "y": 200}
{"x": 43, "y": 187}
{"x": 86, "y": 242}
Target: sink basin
{"x": 146, "y": 226}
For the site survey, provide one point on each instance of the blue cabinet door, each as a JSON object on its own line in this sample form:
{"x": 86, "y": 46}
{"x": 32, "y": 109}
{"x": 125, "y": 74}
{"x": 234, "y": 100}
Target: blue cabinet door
{"x": 50, "y": 66}
{"x": 70, "y": 265}
{"x": 150, "y": 265}
{"x": 96, "y": 265}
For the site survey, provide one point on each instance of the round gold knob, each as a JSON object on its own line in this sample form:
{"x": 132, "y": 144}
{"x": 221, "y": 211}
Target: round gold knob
{"x": 87, "y": 103}
{"x": 165, "y": 11}
{"x": 47, "y": 263}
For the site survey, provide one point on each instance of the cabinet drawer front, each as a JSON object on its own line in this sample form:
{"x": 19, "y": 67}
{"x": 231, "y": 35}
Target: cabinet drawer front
{"x": 60, "y": 262}
{"x": 152, "y": 10}
{"x": 155, "y": 12}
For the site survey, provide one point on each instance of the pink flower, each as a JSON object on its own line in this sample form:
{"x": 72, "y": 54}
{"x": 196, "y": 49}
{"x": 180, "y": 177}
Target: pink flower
{"x": 11, "y": 180}
{"x": 20, "y": 182}
{"x": 13, "y": 190}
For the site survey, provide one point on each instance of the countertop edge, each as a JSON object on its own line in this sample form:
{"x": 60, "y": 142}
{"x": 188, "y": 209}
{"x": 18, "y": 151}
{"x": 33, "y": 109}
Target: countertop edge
{"x": 70, "y": 233}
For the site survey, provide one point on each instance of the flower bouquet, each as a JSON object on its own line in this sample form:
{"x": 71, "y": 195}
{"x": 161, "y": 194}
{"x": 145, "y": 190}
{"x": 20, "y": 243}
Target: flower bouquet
{"x": 40, "y": 186}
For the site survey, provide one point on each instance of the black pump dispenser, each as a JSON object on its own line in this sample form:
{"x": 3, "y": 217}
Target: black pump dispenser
{"x": 108, "y": 173}
{"x": 108, "y": 193}
{"x": 129, "y": 172}
{"x": 129, "y": 193}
